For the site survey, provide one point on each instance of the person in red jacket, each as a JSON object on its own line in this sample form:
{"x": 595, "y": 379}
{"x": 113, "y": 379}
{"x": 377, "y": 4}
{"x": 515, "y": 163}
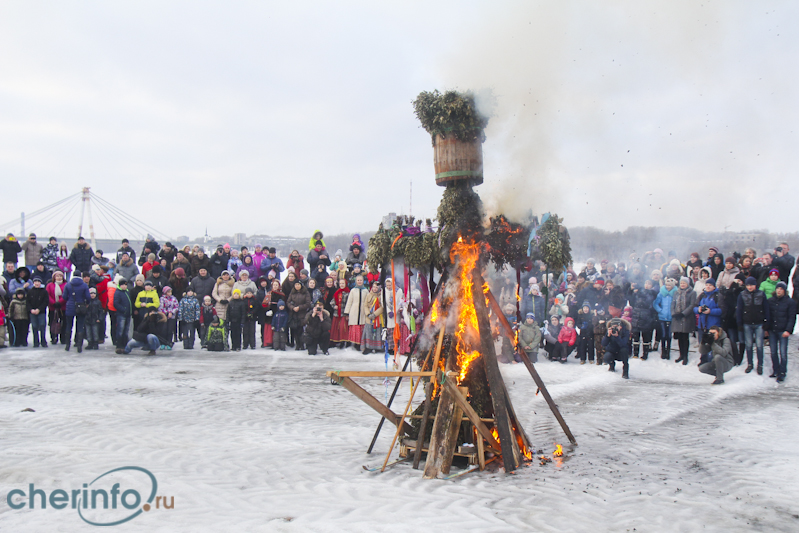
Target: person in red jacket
{"x": 567, "y": 338}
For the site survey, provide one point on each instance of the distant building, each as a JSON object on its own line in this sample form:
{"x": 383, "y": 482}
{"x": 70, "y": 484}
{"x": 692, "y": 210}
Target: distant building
{"x": 389, "y": 219}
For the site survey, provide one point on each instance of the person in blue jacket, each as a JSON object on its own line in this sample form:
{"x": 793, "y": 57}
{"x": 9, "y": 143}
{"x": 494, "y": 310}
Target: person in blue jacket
{"x": 662, "y": 305}
{"x": 782, "y": 319}
{"x": 77, "y": 297}
{"x": 708, "y": 307}
{"x": 273, "y": 263}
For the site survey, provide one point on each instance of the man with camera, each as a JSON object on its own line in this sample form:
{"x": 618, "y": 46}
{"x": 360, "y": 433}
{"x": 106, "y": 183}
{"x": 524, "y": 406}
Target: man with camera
{"x": 783, "y": 261}
{"x": 716, "y": 354}
{"x": 317, "y": 328}
{"x": 617, "y": 346}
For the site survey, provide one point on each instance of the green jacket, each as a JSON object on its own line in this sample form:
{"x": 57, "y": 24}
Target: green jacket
{"x": 530, "y": 337}
{"x": 768, "y": 287}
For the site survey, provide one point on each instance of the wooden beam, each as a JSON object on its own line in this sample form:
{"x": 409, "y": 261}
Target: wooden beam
{"x": 531, "y": 369}
{"x": 471, "y": 414}
{"x": 374, "y": 403}
{"x": 417, "y": 453}
{"x": 440, "y": 440}
{"x": 507, "y": 439}
{"x": 377, "y": 374}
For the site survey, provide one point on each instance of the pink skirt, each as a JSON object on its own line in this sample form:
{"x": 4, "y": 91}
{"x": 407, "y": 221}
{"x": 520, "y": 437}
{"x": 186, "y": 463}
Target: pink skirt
{"x": 405, "y": 339}
{"x": 354, "y": 334}
{"x": 267, "y": 335}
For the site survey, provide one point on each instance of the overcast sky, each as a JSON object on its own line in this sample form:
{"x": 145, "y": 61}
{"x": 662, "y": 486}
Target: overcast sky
{"x": 281, "y": 118}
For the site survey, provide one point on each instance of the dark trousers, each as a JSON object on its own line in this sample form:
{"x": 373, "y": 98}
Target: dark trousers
{"x": 684, "y": 342}
{"x": 172, "y": 328}
{"x": 56, "y": 319}
{"x": 39, "y": 328}
{"x": 665, "y": 337}
{"x": 562, "y": 351}
{"x": 204, "y": 335}
{"x": 121, "y": 328}
{"x": 20, "y": 329}
{"x": 112, "y": 317}
{"x": 279, "y": 339}
{"x": 585, "y": 347}
{"x": 295, "y": 334}
{"x": 639, "y": 338}
{"x": 79, "y": 321}
{"x": 187, "y": 333}
{"x": 611, "y": 357}
{"x": 93, "y": 333}
{"x": 248, "y": 334}
{"x": 322, "y": 341}
{"x": 235, "y": 335}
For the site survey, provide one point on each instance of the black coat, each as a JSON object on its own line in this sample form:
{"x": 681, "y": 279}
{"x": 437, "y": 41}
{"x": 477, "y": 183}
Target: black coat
{"x": 202, "y": 287}
{"x": 644, "y": 317}
{"x": 782, "y": 312}
{"x": 11, "y": 250}
{"x": 122, "y": 303}
{"x": 315, "y": 327}
{"x": 218, "y": 263}
{"x": 81, "y": 257}
{"x": 38, "y": 299}
{"x": 235, "y": 310}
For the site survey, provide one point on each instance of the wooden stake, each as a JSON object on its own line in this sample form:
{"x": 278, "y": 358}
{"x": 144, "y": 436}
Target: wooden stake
{"x": 470, "y": 413}
{"x": 374, "y": 403}
{"x": 417, "y": 453}
{"x": 531, "y": 369}
{"x": 507, "y": 439}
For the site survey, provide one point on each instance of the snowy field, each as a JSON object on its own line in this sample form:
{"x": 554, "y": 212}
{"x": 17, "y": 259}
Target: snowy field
{"x": 261, "y": 441}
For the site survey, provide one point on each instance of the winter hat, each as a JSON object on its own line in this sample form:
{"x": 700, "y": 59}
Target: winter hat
{"x": 780, "y": 285}
{"x": 675, "y": 261}
{"x": 356, "y": 265}
{"x": 535, "y": 287}
{"x": 599, "y": 281}
{"x": 685, "y": 279}
{"x": 603, "y": 262}
{"x": 730, "y": 260}
{"x": 304, "y": 271}
{"x": 92, "y": 291}
{"x": 587, "y": 304}
{"x": 591, "y": 260}
{"x": 125, "y": 241}
{"x": 237, "y": 291}
{"x": 37, "y": 278}
{"x": 118, "y": 278}
{"x": 148, "y": 282}
{"x": 123, "y": 281}
{"x": 95, "y": 267}
{"x": 281, "y": 302}
{"x": 531, "y": 315}
{"x": 598, "y": 308}
{"x": 751, "y": 281}
{"x": 710, "y": 281}
{"x": 291, "y": 269}
{"x": 248, "y": 290}
{"x": 339, "y": 253}
{"x": 19, "y": 291}
{"x": 179, "y": 272}
{"x": 158, "y": 268}
{"x": 140, "y": 277}
{"x": 166, "y": 288}
{"x": 225, "y": 272}
{"x": 273, "y": 250}
{"x": 570, "y": 319}
{"x": 713, "y": 249}
{"x": 226, "y": 247}
{"x": 271, "y": 274}
{"x": 773, "y": 271}
{"x": 215, "y": 320}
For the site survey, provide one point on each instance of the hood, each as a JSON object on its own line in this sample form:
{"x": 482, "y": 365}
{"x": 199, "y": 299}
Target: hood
{"x": 666, "y": 292}
{"x": 76, "y": 282}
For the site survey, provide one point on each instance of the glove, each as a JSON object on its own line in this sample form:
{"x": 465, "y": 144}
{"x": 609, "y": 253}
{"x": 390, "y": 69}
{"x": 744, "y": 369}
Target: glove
{"x": 269, "y": 313}
{"x": 391, "y": 314}
{"x": 224, "y": 302}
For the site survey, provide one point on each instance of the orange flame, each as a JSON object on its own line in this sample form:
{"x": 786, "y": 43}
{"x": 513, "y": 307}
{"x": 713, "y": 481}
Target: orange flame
{"x": 558, "y": 451}
{"x": 434, "y": 313}
{"x": 465, "y": 255}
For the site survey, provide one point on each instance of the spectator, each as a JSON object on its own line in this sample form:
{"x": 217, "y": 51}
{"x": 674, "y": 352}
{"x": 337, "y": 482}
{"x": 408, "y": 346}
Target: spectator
{"x": 81, "y": 256}
{"x": 752, "y": 314}
{"x": 33, "y": 251}
{"x": 11, "y": 249}
{"x": 718, "y": 358}
{"x": 782, "y": 314}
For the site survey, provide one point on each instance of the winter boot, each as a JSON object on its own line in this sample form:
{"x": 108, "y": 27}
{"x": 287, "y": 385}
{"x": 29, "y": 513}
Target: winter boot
{"x": 44, "y": 343}
{"x": 645, "y": 355}
{"x": 625, "y": 373}
{"x": 612, "y": 367}
{"x": 79, "y": 342}
{"x": 67, "y": 345}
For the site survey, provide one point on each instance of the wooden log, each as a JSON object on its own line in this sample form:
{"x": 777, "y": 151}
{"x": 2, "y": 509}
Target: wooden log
{"x": 417, "y": 453}
{"x": 516, "y": 422}
{"x": 374, "y": 403}
{"x": 499, "y": 400}
{"x": 388, "y": 404}
{"x": 449, "y": 447}
{"x": 378, "y": 374}
{"x": 531, "y": 369}
{"x": 481, "y": 449}
{"x": 470, "y": 413}
{"x": 440, "y": 439}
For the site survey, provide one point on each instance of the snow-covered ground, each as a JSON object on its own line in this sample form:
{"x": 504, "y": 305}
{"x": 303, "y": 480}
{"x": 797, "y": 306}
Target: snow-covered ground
{"x": 261, "y": 441}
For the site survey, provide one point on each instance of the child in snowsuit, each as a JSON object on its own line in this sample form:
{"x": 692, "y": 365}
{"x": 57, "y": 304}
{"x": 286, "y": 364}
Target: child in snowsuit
{"x": 567, "y": 339}
{"x": 189, "y": 316}
{"x": 94, "y": 316}
{"x": 216, "y": 339}
{"x": 600, "y": 331}
{"x": 585, "y": 340}
{"x": 250, "y": 316}
{"x": 280, "y": 322}
{"x": 20, "y": 320}
{"x": 235, "y": 317}
{"x": 530, "y": 337}
{"x": 207, "y": 314}
{"x": 170, "y": 306}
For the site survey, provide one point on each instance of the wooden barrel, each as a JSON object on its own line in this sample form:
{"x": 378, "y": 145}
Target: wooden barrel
{"x": 457, "y": 160}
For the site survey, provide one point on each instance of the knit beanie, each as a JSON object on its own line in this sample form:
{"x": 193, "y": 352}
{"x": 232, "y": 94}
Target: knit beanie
{"x": 751, "y": 281}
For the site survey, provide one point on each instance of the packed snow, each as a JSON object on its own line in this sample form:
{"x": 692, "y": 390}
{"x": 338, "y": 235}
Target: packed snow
{"x": 260, "y": 440}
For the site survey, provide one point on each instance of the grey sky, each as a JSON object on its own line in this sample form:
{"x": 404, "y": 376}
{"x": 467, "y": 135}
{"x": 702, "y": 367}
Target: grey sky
{"x": 283, "y": 118}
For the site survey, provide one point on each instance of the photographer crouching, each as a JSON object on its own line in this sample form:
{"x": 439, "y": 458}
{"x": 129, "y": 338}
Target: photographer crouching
{"x": 617, "y": 346}
{"x": 317, "y": 328}
{"x": 716, "y": 354}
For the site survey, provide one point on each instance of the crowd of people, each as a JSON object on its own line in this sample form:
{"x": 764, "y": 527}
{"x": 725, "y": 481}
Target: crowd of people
{"x": 166, "y": 295}
{"x": 607, "y": 313}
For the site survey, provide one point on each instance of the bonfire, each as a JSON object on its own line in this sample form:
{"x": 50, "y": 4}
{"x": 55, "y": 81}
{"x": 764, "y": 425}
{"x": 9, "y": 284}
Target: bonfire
{"x": 466, "y": 408}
